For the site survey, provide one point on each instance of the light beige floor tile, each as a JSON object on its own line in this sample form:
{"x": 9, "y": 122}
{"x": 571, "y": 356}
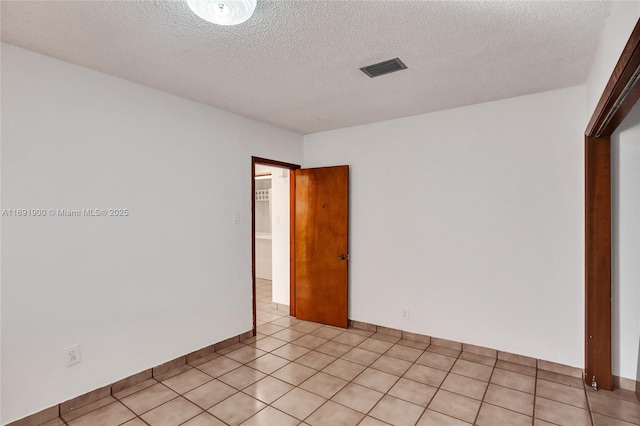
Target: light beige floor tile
{"x": 332, "y": 414}
{"x": 538, "y": 422}
{"x": 510, "y": 399}
{"x": 268, "y": 344}
{"x": 132, "y": 422}
{"x": 413, "y": 344}
{"x": 361, "y": 356}
{"x": 268, "y": 363}
{"x": 236, "y": 409}
{"x": 391, "y": 365}
{"x": 188, "y": 380}
{"x": 472, "y": 369}
{"x": 376, "y": 380}
{"x": 358, "y": 397}
{"x": 299, "y": 403}
{"x": 375, "y": 345}
{"x": 173, "y": 413}
{"x": 370, "y": 421}
{"x": 491, "y": 415}
{"x": 559, "y": 378}
{"x": 334, "y": 348}
{"x": 387, "y": 337}
{"x": 315, "y": 360}
{"x": 136, "y": 388}
{"x": 344, "y": 369}
{"x": 204, "y": 419}
{"x": 245, "y": 354}
{"x": 209, "y": 394}
{"x": 241, "y": 377}
{"x": 396, "y": 411}
{"x": 323, "y": 384}
{"x": 620, "y": 409}
{"x": 286, "y": 322}
{"x": 443, "y": 351}
{"x": 290, "y": 351}
{"x": 327, "y": 332}
{"x": 561, "y": 414}
{"x": 350, "y": 338}
{"x": 271, "y": 417}
{"x": 427, "y": 375}
{"x": 480, "y": 359}
{"x": 433, "y": 418}
{"x": 414, "y": 392}
{"x": 294, "y": 373}
{"x": 309, "y": 341}
{"x": 620, "y": 394}
{"x": 218, "y": 366}
{"x": 513, "y": 380}
{"x": 465, "y": 386}
{"x": 288, "y": 335}
{"x": 79, "y": 412}
{"x": 600, "y": 420}
{"x": 269, "y": 328}
{"x": 404, "y": 353}
{"x": 151, "y": 397}
{"x": 441, "y": 362}
{"x": 268, "y": 316}
{"x": 306, "y": 326}
{"x": 562, "y": 393}
{"x": 268, "y": 389}
{"x": 112, "y": 414}
{"x": 360, "y": 332}
{"x": 517, "y": 368}
{"x": 454, "y": 405}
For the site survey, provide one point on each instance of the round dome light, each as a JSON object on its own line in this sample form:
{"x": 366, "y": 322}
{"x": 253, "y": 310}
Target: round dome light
{"x": 223, "y": 12}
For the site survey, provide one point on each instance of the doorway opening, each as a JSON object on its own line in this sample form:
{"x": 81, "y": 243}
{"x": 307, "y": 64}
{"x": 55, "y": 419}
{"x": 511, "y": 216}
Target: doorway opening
{"x": 271, "y": 239}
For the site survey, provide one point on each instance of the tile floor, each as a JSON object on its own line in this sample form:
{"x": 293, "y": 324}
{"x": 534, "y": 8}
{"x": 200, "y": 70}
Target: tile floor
{"x": 297, "y": 372}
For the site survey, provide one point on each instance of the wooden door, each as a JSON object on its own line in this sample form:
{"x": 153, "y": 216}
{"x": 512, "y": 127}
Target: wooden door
{"x": 320, "y": 247}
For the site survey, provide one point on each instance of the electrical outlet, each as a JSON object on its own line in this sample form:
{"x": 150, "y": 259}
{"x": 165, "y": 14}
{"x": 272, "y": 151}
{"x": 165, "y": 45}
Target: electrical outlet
{"x": 236, "y": 218}
{"x": 405, "y": 313}
{"x": 72, "y": 355}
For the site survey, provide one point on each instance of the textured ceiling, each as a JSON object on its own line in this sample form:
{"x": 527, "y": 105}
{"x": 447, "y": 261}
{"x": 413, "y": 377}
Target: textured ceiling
{"x": 296, "y": 64}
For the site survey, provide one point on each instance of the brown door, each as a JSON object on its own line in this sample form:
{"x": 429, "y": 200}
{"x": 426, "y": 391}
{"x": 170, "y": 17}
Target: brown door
{"x": 320, "y": 257}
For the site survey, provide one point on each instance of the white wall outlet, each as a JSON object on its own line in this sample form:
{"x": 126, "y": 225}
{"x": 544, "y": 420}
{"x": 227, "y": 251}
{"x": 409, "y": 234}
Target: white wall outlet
{"x": 72, "y": 355}
{"x": 236, "y": 218}
{"x": 405, "y": 313}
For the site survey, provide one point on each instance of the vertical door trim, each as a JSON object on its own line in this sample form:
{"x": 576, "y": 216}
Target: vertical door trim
{"x": 598, "y": 261}
{"x": 266, "y": 162}
{"x": 620, "y": 95}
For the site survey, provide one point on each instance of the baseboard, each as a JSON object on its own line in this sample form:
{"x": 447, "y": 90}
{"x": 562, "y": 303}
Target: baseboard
{"x": 280, "y": 306}
{"x": 90, "y": 397}
{"x": 540, "y": 364}
{"x": 626, "y": 384}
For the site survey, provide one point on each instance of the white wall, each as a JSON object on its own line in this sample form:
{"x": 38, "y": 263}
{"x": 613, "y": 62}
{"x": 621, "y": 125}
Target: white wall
{"x": 172, "y": 277}
{"x": 472, "y": 218}
{"x": 624, "y": 143}
{"x": 625, "y": 243}
{"x": 280, "y": 235}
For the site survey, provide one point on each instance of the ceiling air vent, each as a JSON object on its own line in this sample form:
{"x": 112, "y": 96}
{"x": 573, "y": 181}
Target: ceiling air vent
{"x": 392, "y": 65}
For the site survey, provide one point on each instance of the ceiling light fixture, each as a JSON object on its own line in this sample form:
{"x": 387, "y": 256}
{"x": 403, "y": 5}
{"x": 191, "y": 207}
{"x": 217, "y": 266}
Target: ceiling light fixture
{"x": 223, "y": 12}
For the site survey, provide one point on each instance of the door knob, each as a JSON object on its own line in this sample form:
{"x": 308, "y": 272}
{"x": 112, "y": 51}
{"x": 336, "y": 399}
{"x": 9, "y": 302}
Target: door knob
{"x": 343, "y": 257}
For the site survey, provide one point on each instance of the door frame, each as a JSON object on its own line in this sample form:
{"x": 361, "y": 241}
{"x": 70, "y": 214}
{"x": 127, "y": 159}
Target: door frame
{"x": 618, "y": 98}
{"x": 282, "y": 165}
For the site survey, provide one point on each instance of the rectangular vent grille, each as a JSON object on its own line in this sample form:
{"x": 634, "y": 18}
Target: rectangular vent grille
{"x": 392, "y": 65}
